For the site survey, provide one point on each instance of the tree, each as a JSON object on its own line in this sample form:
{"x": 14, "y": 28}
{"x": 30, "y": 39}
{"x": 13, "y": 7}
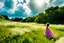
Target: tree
{"x": 30, "y": 19}
{"x": 41, "y": 18}
{"x": 1, "y": 17}
{"x": 6, "y": 17}
{"x": 17, "y": 19}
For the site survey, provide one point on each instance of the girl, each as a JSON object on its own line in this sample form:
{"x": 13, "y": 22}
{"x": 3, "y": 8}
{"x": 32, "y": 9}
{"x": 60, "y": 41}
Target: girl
{"x": 49, "y": 33}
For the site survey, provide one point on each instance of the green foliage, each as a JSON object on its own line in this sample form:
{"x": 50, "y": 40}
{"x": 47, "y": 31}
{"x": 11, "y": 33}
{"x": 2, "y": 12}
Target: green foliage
{"x": 52, "y": 15}
{"x": 24, "y": 20}
{"x": 41, "y": 18}
{"x": 17, "y": 19}
{"x": 3, "y": 18}
{"x": 30, "y": 19}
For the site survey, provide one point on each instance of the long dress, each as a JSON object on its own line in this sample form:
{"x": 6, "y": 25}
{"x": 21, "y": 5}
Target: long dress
{"x": 49, "y": 33}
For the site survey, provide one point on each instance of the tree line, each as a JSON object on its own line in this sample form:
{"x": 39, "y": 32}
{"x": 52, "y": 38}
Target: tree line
{"x": 51, "y": 14}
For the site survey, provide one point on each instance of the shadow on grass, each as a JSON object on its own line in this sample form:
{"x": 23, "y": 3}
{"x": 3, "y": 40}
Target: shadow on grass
{"x": 11, "y": 26}
{"x": 26, "y": 40}
{"x": 60, "y": 30}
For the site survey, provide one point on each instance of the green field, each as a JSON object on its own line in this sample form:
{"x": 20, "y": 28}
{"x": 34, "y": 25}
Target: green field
{"x": 18, "y": 32}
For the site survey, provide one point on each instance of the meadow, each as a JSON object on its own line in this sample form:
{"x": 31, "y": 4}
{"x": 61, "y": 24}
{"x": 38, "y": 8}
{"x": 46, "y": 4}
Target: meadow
{"x": 19, "y": 32}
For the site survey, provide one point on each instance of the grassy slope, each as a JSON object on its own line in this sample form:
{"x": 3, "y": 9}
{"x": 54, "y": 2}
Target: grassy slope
{"x": 27, "y": 32}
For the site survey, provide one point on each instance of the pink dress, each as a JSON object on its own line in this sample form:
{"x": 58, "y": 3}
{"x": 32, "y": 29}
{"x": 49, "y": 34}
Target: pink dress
{"x": 49, "y": 33}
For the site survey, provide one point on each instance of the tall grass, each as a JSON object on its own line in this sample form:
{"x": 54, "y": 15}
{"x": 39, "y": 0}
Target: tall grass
{"x": 15, "y": 32}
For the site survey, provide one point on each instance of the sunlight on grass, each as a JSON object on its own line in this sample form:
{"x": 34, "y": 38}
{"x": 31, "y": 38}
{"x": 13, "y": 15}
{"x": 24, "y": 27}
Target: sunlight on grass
{"x": 61, "y": 40}
{"x": 57, "y": 26}
{"x": 28, "y": 32}
{"x": 20, "y": 31}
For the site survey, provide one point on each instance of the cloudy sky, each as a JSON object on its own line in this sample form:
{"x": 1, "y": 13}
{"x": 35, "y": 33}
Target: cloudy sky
{"x": 25, "y": 8}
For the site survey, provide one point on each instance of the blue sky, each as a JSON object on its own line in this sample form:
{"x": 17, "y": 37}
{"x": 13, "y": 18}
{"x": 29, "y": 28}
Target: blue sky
{"x": 26, "y": 8}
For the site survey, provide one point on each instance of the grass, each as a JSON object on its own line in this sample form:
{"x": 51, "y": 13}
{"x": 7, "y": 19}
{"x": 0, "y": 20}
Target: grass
{"x": 16, "y": 32}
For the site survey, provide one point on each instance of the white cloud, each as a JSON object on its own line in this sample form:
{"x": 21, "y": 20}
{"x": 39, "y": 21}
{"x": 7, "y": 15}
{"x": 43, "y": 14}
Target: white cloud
{"x": 12, "y": 10}
{"x": 27, "y": 1}
{"x": 27, "y": 9}
{"x": 19, "y": 5}
{"x": 1, "y": 4}
{"x": 47, "y": 2}
{"x": 62, "y": 5}
{"x": 53, "y": 1}
{"x": 41, "y": 3}
{"x": 20, "y": 0}
{"x": 24, "y": 6}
